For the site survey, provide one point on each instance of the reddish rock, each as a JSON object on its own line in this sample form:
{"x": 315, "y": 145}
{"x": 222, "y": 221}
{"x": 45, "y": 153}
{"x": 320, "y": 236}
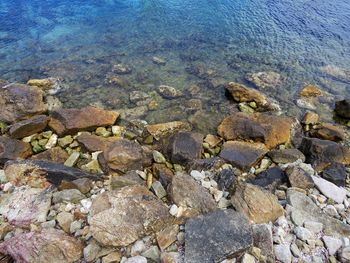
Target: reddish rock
{"x": 28, "y": 127}
{"x": 94, "y": 143}
{"x": 56, "y": 155}
{"x": 70, "y": 121}
{"x": 19, "y": 102}
{"x": 11, "y": 149}
{"x": 259, "y": 127}
{"x": 163, "y": 173}
{"x": 327, "y": 131}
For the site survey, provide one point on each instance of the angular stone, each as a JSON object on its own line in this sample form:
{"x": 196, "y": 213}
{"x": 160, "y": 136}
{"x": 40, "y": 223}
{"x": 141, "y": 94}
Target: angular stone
{"x": 166, "y": 129}
{"x": 303, "y": 233}
{"x": 68, "y": 195}
{"x": 19, "y": 102}
{"x": 72, "y": 159}
{"x": 28, "y": 127}
{"x": 270, "y": 179}
{"x": 64, "y": 220}
{"x": 330, "y": 190}
{"x": 132, "y": 213}
{"x": 282, "y": 253}
{"x": 344, "y": 255}
{"x": 158, "y": 189}
{"x": 322, "y": 153}
{"x": 226, "y": 179}
{"x": 286, "y": 155}
{"x": 49, "y": 245}
{"x": 314, "y": 227}
{"x": 258, "y": 127}
{"x": 130, "y": 178}
{"x": 11, "y": 149}
{"x": 44, "y": 84}
{"x": 94, "y": 143}
{"x": 262, "y": 238}
{"x": 55, "y": 155}
{"x": 113, "y": 257}
{"x": 163, "y": 173}
{"x": 70, "y": 121}
{"x": 299, "y": 178}
{"x": 328, "y": 131}
{"x": 259, "y": 205}
{"x": 167, "y": 236}
{"x": 336, "y": 174}
{"x": 184, "y": 146}
{"x": 243, "y": 155}
{"x": 310, "y": 91}
{"x": 310, "y": 118}
{"x": 187, "y": 193}
{"x": 216, "y": 236}
{"x": 27, "y": 206}
{"x": 170, "y": 257}
{"x": 332, "y": 244}
{"x": 342, "y": 108}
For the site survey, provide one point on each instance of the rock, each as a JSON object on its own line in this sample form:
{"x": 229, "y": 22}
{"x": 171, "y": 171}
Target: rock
{"x": 314, "y": 227}
{"x": 259, "y": 205}
{"x": 328, "y": 131}
{"x": 167, "y": 236}
{"x": 243, "y": 155}
{"x": 344, "y": 254}
{"x": 128, "y": 215}
{"x": 122, "y": 155}
{"x": 137, "y": 95}
{"x": 11, "y": 149}
{"x": 168, "y": 92}
{"x": 310, "y": 91}
{"x": 270, "y": 179}
{"x": 94, "y": 143}
{"x": 27, "y": 206}
{"x": 258, "y": 127}
{"x": 65, "y": 141}
{"x": 337, "y": 73}
{"x": 310, "y": 118}
{"x": 186, "y": 192}
{"x": 68, "y": 195}
{"x": 215, "y": 236}
{"x": 158, "y": 189}
{"x": 38, "y": 173}
{"x": 72, "y": 159}
{"x": 70, "y": 121}
{"x": 332, "y": 244}
{"x": 266, "y": 79}
{"x": 152, "y": 254}
{"x": 342, "y": 108}
{"x": 45, "y": 84}
{"x": 330, "y": 190}
{"x": 226, "y": 179}
{"x": 28, "y": 127}
{"x": 52, "y": 142}
{"x": 158, "y": 61}
{"x": 136, "y": 259}
{"x": 19, "y": 102}
{"x": 163, "y": 173}
{"x": 336, "y": 174}
{"x": 303, "y": 233}
{"x": 158, "y": 157}
{"x": 299, "y": 178}
{"x": 55, "y": 155}
{"x": 5, "y": 228}
{"x": 64, "y": 220}
{"x": 170, "y": 257}
{"x": 53, "y": 103}
{"x": 184, "y": 146}
{"x": 49, "y": 245}
{"x": 286, "y": 155}
{"x": 322, "y": 153}
{"x": 166, "y": 129}
{"x": 247, "y": 258}
{"x": 130, "y": 178}
{"x": 262, "y": 238}
{"x": 283, "y": 254}
{"x": 113, "y": 257}
{"x": 122, "y": 69}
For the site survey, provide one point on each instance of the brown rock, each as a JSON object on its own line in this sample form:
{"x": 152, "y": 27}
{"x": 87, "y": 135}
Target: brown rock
{"x": 259, "y": 205}
{"x": 134, "y": 212}
{"x": 49, "y": 245}
{"x": 266, "y": 79}
{"x": 259, "y": 127}
{"x": 130, "y": 178}
{"x": 163, "y": 173}
{"x": 56, "y": 155}
{"x": 167, "y": 236}
{"x": 310, "y": 91}
{"x": 187, "y": 193}
{"x": 84, "y": 185}
{"x": 327, "y": 131}
{"x": 299, "y": 178}
{"x": 310, "y": 118}
{"x": 44, "y": 84}
{"x": 28, "y": 127}
{"x": 94, "y": 143}
{"x": 70, "y": 121}
{"x": 342, "y": 108}
{"x": 166, "y": 129}
{"x": 19, "y": 102}
{"x": 11, "y": 149}
{"x": 243, "y": 155}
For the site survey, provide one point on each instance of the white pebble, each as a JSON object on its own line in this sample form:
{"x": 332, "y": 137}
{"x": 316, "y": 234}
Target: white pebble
{"x": 197, "y": 175}
{"x": 173, "y": 210}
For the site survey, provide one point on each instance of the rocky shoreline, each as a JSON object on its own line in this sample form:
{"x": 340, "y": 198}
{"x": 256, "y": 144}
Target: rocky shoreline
{"x": 81, "y": 185}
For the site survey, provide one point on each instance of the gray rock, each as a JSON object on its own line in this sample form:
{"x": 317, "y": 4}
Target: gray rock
{"x": 213, "y": 237}
{"x": 332, "y": 244}
{"x": 262, "y": 238}
{"x": 283, "y": 254}
{"x": 303, "y": 233}
{"x": 342, "y": 108}
{"x": 247, "y": 258}
{"x": 330, "y": 190}
{"x": 286, "y": 155}
{"x": 136, "y": 259}
{"x": 69, "y": 195}
{"x": 344, "y": 255}
{"x": 314, "y": 227}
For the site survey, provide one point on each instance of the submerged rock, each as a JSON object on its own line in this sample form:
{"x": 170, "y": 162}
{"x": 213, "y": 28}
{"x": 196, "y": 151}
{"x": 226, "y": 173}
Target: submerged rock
{"x": 166, "y": 129}
{"x": 169, "y": 92}
{"x": 266, "y": 79}
{"x": 11, "y": 149}
{"x": 342, "y": 108}
{"x": 28, "y": 127}
{"x": 337, "y": 73}
{"x": 310, "y": 91}
{"x": 50, "y": 85}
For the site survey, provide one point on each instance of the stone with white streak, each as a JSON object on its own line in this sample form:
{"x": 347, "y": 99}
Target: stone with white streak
{"x": 330, "y": 190}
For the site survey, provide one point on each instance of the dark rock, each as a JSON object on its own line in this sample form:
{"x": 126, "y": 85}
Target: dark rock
{"x": 205, "y": 164}
{"x": 38, "y": 173}
{"x": 342, "y": 108}
{"x": 11, "y": 149}
{"x": 184, "y": 146}
{"x": 28, "y": 127}
{"x": 94, "y": 143}
{"x": 127, "y": 179}
{"x": 328, "y": 131}
{"x": 299, "y": 178}
{"x": 55, "y": 155}
{"x": 163, "y": 173}
{"x": 336, "y": 173}
{"x": 19, "y": 102}
{"x": 322, "y": 153}
{"x": 70, "y": 121}
{"x": 243, "y": 155}
{"x": 270, "y": 179}
{"x": 262, "y": 238}
{"x": 216, "y": 236}
{"x": 226, "y": 179}
{"x": 286, "y": 155}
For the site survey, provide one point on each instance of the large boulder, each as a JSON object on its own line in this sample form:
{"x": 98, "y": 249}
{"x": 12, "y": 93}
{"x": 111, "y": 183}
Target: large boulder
{"x": 127, "y": 215}
{"x": 28, "y": 127}
{"x": 216, "y": 236}
{"x": 11, "y": 149}
{"x": 94, "y": 143}
{"x": 342, "y": 108}
{"x": 70, "y": 121}
{"x": 19, "y": 102}
{"x": 49, "y": 245}
{"x": 259, "y": 127}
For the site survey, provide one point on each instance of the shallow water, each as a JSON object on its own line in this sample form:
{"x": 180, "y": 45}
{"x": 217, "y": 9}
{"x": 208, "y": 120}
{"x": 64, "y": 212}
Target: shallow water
{"x": 205, "y": 44}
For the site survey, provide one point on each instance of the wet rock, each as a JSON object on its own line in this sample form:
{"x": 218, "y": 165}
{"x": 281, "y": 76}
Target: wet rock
{"x": 70, "y": 121}
{"x": 184, "y": 146}
{"x": 328, "y": 131}
{"x": 121, "y": 69}
{"x": 226, "y": 179}
{"x": 213, "y": 237}
{"x": 266, "y": 79}
{"x": 259, "y": 205}
{"x": 169, "y": 92}
{"x": 94, "y": 143}
{"x": 243, "y": 155}
{"x": 310, "y": 91}
{"x": 342, "y": 108}
{"x": 270, "y": 179}
{"x": 158, "y": 61}
{"x": 299, "y": 178}
{"x": 19, "y": 102}
{"x": 27, "y": 206}
{"x": 336, "y": 72}
{"x": 310, "y": 118}
{"x": 166, "y": 129}
{"x": 133, "y": 213}
{"x": 259, "y": 127}
{"x": 11, "y": 149}
{"x": 336, "y": 174}
{"x": 186, "y": 192}
{"x": 28, "y": 127}
{"x": 262, "y": 238}
{"x": 322, "y": 153}
{"x": 39, "y": 173}
{"x": 49, "y": 245}
{"x": 55, "y": 155}
{"x": 329, "y": 189}
{"x": 283, "y": 253}
{"x": 286, "y": 155}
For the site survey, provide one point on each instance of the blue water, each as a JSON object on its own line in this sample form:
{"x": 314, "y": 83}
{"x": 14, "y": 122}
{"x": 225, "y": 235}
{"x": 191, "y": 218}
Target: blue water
{"x": 204, "y": 42}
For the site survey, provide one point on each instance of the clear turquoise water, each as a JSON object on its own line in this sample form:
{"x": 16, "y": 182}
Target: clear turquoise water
{"x": 204, "y": 42}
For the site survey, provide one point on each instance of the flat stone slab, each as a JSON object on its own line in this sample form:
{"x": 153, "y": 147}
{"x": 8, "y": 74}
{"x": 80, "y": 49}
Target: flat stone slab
{"x": 330, "y": 190}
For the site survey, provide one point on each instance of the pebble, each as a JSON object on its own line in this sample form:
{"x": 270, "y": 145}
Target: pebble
{"x": 49, "y": 224}
{"x": 173, "y": 210}
{"x": 137, "y": 248}
{"x": 303, "y": 233}
{"x": 136, "y": 259}
{"x": 152, "y": 253}
{"x": 158, "y": 157}
{"x": 247, "y": 258}
{"x": 295, "y": 250}
{"x": 197, "y": 175}
{"x": 51, "y": 142}
{"x": 75, "y": 226}
{"x": 72, "y": 159}
{"x": 159, "y": 189}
